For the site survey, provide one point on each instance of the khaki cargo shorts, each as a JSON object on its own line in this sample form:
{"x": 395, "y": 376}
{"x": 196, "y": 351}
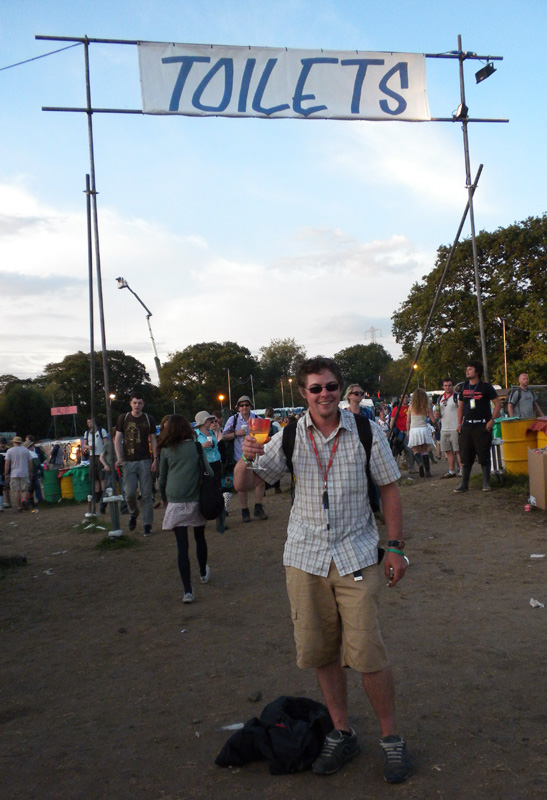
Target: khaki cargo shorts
{"x": 336, "y": 617}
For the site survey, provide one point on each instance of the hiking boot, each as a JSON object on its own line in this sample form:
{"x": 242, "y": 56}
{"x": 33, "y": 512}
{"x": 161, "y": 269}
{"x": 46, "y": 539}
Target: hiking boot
{"x": 245, "y": 515}
{"x": 396, "y": 760}
{"x": 188, "y": 597}
{"x": 259, "y": 511}
{"x": 148, "y": 530}
{"x": 338, "y": 748}
{"x": 459, "y": 489}
{"x": 132, "y": 524}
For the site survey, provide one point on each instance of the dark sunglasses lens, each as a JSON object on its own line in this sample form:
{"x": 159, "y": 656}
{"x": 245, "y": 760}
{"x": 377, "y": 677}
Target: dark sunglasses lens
{"x": 330, "y": 387}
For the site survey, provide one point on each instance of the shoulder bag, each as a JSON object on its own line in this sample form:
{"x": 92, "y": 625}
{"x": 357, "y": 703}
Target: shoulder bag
{"x": 211, "y": 499}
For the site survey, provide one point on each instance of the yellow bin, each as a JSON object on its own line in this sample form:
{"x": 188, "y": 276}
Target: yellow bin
{"x": 67, "y": 489}
{"x": 542, "y": 439}
{"x": 516, "y": 441}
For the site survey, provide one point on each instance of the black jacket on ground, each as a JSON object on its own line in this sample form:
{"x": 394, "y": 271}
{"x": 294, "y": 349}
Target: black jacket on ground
{"x": 289, "y": 734}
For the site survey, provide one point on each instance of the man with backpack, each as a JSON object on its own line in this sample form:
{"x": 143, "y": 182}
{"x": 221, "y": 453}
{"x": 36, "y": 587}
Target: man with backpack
{"x": 522, "y": 402}
{"x": 331, "y": 556}
{"x": 134, "y": 431}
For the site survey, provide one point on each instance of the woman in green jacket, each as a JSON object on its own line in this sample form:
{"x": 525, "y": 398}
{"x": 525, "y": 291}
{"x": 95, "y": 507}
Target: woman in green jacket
{"x": 181, "y": 468}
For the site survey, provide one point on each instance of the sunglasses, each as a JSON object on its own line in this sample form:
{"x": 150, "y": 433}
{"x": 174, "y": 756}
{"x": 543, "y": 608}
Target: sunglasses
{"x": 330, "y": 387}
{"x": 359, "y": 394}
{"x": 242, "y": 405}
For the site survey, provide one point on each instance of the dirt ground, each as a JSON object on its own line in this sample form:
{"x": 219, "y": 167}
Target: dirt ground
{"x": 112, "y": 688}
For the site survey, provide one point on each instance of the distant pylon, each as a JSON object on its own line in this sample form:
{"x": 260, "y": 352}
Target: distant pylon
{"x": 372, "y": 333}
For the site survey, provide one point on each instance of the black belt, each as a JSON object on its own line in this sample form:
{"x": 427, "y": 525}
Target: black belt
{"x": 475, "y": 421}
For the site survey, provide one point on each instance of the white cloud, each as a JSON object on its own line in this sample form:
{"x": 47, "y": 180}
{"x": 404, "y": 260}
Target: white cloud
{"x": 337, "y": 250}
{"x": 419, "y": 158}
{"x": 328, "y": 290}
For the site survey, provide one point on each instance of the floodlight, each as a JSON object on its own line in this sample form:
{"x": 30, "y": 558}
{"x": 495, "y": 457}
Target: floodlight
{"x": 485, "y": 72}
{"x": 122, "y": 283}
{"x": 461, "y": 112}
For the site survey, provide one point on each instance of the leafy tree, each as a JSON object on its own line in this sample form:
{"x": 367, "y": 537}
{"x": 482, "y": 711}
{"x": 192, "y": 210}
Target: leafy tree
{"x": 25, "y": 409}
{"x": 363, "y": 363}
{"x": 513, "y": 272}
{"x": 395, "y": 376}
{"x": 199, "y": 373}
{"x": 68, "y": 381}
{"x": 6, "y": 381}
{"x": 280, "y": 359}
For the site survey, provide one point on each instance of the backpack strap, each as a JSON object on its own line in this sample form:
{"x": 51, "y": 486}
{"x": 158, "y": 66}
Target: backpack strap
{"x": 287, "y": 445}
{"x": 201, "y": 454}
{"x": 512, "y": 393}
{"x": 365, "y": 435}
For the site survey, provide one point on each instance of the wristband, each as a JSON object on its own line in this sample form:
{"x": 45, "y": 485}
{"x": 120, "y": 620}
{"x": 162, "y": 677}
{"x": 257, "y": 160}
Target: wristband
{"x": 244, "y": 459}
{"x": 398, "y": 543}
{"x": 394, "y": 550}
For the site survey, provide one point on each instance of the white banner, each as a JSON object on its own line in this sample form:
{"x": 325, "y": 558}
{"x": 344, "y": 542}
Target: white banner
{"x": 210, "y": 80}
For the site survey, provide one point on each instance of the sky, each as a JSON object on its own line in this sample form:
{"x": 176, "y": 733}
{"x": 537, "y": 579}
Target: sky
{"x": 248, "y": 230}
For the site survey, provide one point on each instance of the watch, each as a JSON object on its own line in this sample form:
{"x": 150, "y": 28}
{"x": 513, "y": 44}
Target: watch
{"x": 399, "y": 544}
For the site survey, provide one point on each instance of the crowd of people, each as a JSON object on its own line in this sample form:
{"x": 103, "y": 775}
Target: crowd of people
{"x": 420, "y": 433}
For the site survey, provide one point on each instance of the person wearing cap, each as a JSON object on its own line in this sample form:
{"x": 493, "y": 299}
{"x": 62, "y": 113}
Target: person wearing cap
{"x": 207, "y": 439}
{"x": 236, "y": 429}
{"x": 18, "y": 468}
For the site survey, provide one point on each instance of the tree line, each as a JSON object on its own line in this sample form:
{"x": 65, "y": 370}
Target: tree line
{"x": 191, "y": 380}
{"x": 513, "y": 273}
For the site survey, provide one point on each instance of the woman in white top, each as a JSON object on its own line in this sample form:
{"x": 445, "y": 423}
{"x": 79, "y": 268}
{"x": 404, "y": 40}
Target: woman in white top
{"x": 419, "y": 433}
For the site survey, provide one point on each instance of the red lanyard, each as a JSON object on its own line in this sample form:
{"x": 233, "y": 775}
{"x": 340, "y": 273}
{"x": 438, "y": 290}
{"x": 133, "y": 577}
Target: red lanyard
{"x": 333, "y": 451}
{"x": 325, "y": 497}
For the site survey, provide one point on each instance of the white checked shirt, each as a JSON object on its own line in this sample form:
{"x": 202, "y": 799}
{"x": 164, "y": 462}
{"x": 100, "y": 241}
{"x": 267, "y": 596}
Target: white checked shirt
{"x": 352, "y": 541}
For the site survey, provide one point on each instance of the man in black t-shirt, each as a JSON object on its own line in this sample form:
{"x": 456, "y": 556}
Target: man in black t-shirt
{"x": 134, "y": 430}
{"x": 475, "y": 423}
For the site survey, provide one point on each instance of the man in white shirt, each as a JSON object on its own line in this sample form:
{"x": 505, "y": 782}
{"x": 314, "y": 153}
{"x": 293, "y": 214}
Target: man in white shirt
{"x": 448, "y": 414}
{"x": 17, "y": 468}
